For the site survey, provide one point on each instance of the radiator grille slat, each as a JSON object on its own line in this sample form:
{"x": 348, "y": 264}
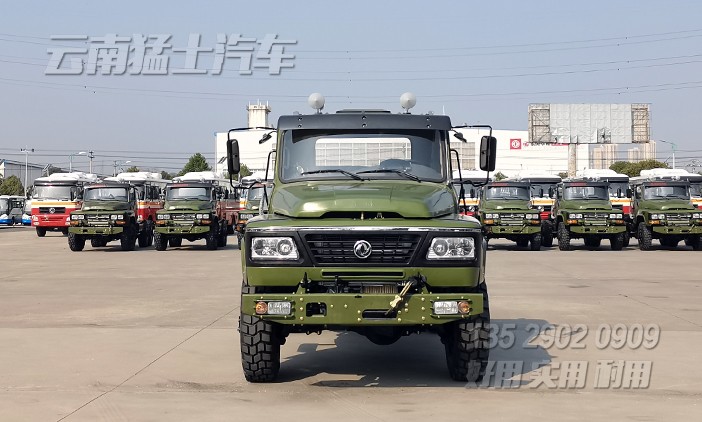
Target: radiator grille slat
{"x": 393, "y": 249}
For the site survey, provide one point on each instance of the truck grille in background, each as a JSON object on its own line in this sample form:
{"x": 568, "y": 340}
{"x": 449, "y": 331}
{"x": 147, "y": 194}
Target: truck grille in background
{"x": 511, "y": 219}
{"x": 394, "y": 249}
{"x": 678, "y": 219}
{"x": 47, "y": 210}
{"x": 596, "y": 218}
{"x": 181, "y": 217}
{"x": 98, "y": 220}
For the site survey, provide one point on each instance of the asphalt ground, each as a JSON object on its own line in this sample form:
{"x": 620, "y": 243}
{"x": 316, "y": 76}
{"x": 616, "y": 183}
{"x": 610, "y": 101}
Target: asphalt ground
{"x": 106, "y": 335}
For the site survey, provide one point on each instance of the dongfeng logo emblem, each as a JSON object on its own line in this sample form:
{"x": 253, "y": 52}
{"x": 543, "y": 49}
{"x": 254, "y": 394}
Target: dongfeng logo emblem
{"x": 52, "y": 210}
{"x": 362, "y": 249}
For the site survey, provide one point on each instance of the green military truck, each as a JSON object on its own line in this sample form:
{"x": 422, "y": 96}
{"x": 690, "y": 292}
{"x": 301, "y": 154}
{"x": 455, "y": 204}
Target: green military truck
{"x": 108, "y": 212}
{"x": 250, "y": 205}
{"x": 506, "y": 212}
{"x": 362, "y": 233}
{"x": 662, "y": 209}
{"x": 195, "y": 210}
{"x": 583, "y": 210}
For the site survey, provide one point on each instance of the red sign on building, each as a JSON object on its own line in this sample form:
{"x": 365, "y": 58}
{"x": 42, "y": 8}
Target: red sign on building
{"x": 515, "y": 143}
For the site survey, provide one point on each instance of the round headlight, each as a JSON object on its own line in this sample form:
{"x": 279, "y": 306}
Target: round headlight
{"x": 285, "y": 246}
{"x": 440, "y": 247}
{"x": 471, "y": 208}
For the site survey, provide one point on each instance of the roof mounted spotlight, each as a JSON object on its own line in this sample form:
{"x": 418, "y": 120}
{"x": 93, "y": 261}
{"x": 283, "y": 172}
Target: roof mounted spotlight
{"x": 407, "y": 101}
{"x": 316, "y": 101}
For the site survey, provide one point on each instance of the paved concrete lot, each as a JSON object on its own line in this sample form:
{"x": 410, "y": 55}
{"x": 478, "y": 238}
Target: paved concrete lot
{"x": 105, "y": 335}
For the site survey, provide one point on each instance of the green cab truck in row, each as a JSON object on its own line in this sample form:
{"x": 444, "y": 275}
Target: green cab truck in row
{"x": 583, "y": 210}
{"x": 506, "y": 213}
{"x": 362, "y": 232}
{"x": 662, "y": 209}
{"x": 109, "y": 212}
{"x": 193, "y": 210}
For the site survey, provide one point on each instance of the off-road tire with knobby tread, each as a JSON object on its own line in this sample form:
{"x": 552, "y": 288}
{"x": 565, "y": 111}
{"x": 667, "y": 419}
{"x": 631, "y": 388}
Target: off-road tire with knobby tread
{"x": 536, "y": 242}
{"x": 260, "y": 347}
{"x": 467, "y": 344}
{"x": 563, "y": 237}
{"x": 212, "y": 237}
{"x": 616, "y": 242}
{"x": 222, "y": 241}
{"x": 645, "y": 237}
{"x": 145, "y": 238}
{"x": 160, "y": 241}
{"x": 547, "y": 234}
{"x": 627, "y": 238}
{"x": 127, "y": 240}
{"x": 76, "y": 242}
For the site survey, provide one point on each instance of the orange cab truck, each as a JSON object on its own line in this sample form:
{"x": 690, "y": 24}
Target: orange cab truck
{"x": 53, "y": 199}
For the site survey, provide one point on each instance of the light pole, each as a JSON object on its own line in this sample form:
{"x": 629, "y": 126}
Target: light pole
{"x": 91, "y": 156}
{"x": 673, "y": 146}
{"x": 26, "y": 152}
{"x": 117, "y": 163}
{"x": 70, "y": 160}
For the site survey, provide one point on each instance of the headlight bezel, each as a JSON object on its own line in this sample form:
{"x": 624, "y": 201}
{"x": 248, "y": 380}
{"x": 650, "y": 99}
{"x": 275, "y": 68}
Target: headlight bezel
{"x": 273, "y": 252}
{"x": 575, "y": 216}
{"x": 452, "y": 245}
{"x": 164, "y": 217}
{"x": 77, "y": 217}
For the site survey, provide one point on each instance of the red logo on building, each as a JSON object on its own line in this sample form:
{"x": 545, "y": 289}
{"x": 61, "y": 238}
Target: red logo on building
{"x": 515, "y": 143}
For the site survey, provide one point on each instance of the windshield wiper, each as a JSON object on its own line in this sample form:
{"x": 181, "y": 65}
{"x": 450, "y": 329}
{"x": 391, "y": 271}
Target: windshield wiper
{"x": 344, "y": 172}
{"x": 400, "y": 172}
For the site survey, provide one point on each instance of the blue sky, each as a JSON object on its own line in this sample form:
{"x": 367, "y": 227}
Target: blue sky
{"x": 481, "y": 62}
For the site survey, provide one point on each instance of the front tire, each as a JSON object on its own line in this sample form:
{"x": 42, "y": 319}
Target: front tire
{"x": 145, "y": 238}
{"x": 175, "y": 242}
{"x": 97, "y": 242}
{"x": 128, "y": 238}
{"x": 160, "y": 242}
{"x": 260, "y": 349}
{"x": 617, "y": 241}
{"x": 547, "y": 234}
{"x": 536, "y": 242}
{"x": 212, "y": 238}
{"x": 563, "y": 237}
{"x": 41, "y": 231}
{"x": 645, "y": 237}
{"x": 695, "y": 243}
{"x": 467, "y": 344}
{"x": 76, "y": 242}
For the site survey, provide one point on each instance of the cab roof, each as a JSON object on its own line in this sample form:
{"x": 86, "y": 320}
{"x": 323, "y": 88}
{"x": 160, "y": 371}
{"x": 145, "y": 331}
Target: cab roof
{"x": 364, "y": 120}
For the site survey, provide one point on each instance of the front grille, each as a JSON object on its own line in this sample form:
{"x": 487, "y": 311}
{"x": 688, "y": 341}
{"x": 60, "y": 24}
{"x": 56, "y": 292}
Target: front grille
{"x": 391, "y": 249}
{"x": 47, "y": 210}
{"x": 596, "y": 215}
{"x": 678, "y": 219}
{"x": 181, "y": 217}
{"x": 511, "y": 219}
{"x": 98, "y": 220}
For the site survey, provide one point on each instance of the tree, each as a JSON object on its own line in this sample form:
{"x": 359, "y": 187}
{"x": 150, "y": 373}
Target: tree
{"x": 12, "y": 186}
{"x": 133, "y": 169}
{"x": 499, "y": 176}
{"x": 166, "y": 175}
{"x": 563, "y": 175}
{"x": 196, "y": 163}
{"x": 51, "y": 170}
{"x": 244, "y": 171}
{"x": 632, "y": 169}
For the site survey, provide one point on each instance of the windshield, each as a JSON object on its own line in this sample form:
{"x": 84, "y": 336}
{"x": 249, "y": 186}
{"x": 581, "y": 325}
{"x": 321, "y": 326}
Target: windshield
{"x": 255, "y": 194}
{"x": 3, "y": 205}
{"x": 105, "y": 194}
{"x": 696, "y": 190}
{"x": 508, "y": 192}
{"x": 53, "y": 192}
{"x": 586, "y": 192}
{"x": 666, "y": 192}
{"x": 618, "y": 189}
{"x": 466, "y": 190}
{"x": 393, "y": 154}
{"x": 540, "y": 190}
{"x": 192, "y": 193}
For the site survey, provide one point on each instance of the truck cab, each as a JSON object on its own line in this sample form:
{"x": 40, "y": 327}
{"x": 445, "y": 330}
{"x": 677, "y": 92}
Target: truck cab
{"x": 583, "y": 210}
{"x": 663, "y": 210}
{"x": 542, "y": 190}
{"x": 54, "y": 197}
{"x": 470, "y": 181}
{"x": 506, "y": 212}
{"x": 363, "y": 233}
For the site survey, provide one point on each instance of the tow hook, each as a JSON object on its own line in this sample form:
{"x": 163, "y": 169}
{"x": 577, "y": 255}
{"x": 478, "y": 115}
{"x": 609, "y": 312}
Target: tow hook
{"x": 395, "y": 303}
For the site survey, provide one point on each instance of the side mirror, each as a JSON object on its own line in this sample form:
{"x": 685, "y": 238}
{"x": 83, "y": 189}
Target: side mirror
{"x": 472, "y": 193}
{"x": 541, "y": 193}
{"x": 79, "y": 196}
{"x": 488, "y": 153}
{"x": 629, "y": 194}
{"x": 551, "y": 193}
{"x": 161, "y": 196}
{"x": 233, "y": 163}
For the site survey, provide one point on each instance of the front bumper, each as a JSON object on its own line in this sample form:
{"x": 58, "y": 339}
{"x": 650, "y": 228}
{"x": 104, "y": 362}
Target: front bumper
{"x": 361, "y": 310}
{"x": 680, "y": 230}
{"x": 96, "y": 231}
{"x": 182, "y": 230}
{"x": 591, "y": 229}
{"x": 512, "y": 230}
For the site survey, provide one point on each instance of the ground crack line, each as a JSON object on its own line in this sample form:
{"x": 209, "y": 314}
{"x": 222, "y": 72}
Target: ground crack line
{"x": 662, "y": 310}
{"x": 148, "y": 365}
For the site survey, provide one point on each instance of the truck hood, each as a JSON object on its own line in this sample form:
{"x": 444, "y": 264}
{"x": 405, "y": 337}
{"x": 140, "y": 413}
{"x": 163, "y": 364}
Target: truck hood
{"x": 666, "y": 205}
{"x": 593, "y": 205}
{"x": 105, "y": 206}
{"x": 505, "y": 205}
{"x": 188, "y": 206}
{"x": 410, "y": 200}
